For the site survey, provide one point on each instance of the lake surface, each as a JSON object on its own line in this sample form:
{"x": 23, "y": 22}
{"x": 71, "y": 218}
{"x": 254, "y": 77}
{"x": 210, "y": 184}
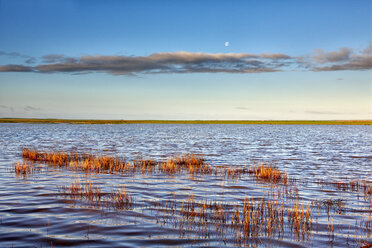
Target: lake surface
{"x": 34, "y": 212}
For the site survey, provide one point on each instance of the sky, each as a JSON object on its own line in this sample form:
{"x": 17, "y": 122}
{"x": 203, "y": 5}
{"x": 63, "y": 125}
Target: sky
{"x": 186, "y": 60}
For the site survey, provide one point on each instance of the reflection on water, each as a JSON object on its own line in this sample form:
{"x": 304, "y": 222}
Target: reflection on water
{"x": 34, "y": 211}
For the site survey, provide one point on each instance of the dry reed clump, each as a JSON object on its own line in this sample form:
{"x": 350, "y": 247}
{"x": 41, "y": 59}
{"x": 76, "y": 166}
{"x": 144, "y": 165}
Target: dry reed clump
{"x": 119, "y": 199}
{"x": 269, "y": 173}
{"x": 145, "y": 165}
{"x": 24, "y": 168}
{"x": 234, "y": 172}
{"x": 368, "y": 190}
{"x": 246, "y": 219}
{"x": 87, "y": 163}
{"x": 352, "y": 185}
{"x": 88, "y": 191}
{"x": 191, "y": 163}
{"x": 299, "y": 219}
{"x": 55, "y": 158}
{"x": 360, "y": 186}
{"x": 99, "y": 164}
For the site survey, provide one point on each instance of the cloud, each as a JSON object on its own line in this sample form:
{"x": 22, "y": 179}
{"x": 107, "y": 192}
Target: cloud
{"x": 317, "y": 112}
{"x": 29, "y": 59}
{"x": 168, "y": 62}
{"x": 13, "y": 54}
{"x": 30, "y": 108}
{"x": 11, "y": 109}
{"x": 57, "y": 58}
{"x": 53, "y": 58}
{"x": 242, "y": 108}
{"x": 368, "y": 49}
{"x": 356, "y": 63}
{"x": 346, "y": 59}
{"x": 190, "y": 62}
{"x": 15, "y": 68}
{"x": 343, "y": 54}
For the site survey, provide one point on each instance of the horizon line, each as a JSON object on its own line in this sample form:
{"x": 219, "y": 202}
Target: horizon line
{"x": 163, "y": 121}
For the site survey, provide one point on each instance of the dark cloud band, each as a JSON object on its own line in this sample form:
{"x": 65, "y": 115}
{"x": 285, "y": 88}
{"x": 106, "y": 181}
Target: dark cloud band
{"x": 187, "y": 62}
{"x": 171, "y": 62}
{"x": 15, "y": 68}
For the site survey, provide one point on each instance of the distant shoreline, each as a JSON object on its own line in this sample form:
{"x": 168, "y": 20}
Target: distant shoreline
{"x": 246, "y": 122}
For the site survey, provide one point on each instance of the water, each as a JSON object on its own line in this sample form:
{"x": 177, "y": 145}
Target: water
{"x": 33, "y": 212}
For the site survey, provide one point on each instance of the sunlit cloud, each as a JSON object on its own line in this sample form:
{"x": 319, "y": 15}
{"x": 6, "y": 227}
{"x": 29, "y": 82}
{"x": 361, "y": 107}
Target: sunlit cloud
{"x": 344, "y": 59}
{"x": 343, "y": 54}
{"x": 15, "y": 68}
{"x": 168, "y": 62}
{"x": 189, "y": 62}
{"x": 368, "y": 49}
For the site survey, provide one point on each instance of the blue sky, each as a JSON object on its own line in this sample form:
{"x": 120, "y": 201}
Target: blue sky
{"x": 168, "y": 59}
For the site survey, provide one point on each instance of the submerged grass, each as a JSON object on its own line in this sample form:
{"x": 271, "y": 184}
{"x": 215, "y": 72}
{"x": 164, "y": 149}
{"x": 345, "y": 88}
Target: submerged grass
{"x": 121, "y": 199}
{"x": 244, "y": 219}
{"x": 118, "y": 199}
{"x": 359, "y": 186}
{"x": 24, "y": 168}
{"x": 273, "y": 216}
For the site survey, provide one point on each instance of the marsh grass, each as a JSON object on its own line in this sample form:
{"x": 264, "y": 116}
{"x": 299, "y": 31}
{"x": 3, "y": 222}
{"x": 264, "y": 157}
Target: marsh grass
{"x": 192, "y": 164}
{"x": 78, "y": 190}
{"x": 245, "y": 220}
{"x": 360, "y": 186}
{"x": 331, "y": 204}
{"x": 234, "y": 172}
{"x": 277, "y": 214}
{"x": 24, "y": 168}
{"x": 269, "y": 173}
{"x": 118, "y": 199}
{"x": 121, "y": 199}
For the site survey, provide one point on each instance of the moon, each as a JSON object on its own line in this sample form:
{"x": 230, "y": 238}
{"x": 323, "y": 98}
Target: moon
{"x": 226, "y": 44}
